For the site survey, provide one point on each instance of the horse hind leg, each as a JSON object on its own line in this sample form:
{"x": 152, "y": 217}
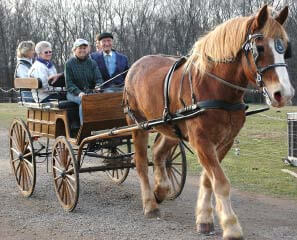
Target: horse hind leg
{"x": 161, "y": 151}
{"x": 150, "y": 206}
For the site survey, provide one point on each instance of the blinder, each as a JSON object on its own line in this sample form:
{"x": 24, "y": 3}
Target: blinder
{"x": 288, "y": 53}
{"x": 250, "y": 45}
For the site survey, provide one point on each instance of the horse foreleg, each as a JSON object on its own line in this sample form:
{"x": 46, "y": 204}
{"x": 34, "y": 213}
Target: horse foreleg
{"x": 150, "y": 206}
{"x": 204, "y": 208}
{"x": 161, "y": 152}
{"x": 210, "y": 160}
{"x": 228, "y": 219}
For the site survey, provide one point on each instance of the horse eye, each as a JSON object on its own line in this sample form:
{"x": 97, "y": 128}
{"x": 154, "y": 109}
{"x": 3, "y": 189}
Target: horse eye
{"x": 260, "y": 49}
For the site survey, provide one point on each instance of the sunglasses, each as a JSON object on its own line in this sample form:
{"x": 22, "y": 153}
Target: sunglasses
{"x": 47, "y": 52}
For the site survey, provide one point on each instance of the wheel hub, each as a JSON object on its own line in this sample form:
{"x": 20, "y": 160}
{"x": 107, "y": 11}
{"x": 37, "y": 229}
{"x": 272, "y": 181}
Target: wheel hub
{"x": 63, "y": 174}
{"x": 21, "y": 156}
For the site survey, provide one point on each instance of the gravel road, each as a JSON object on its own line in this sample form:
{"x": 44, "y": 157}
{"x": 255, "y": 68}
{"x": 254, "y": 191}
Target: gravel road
{"x": 109, "y": 211}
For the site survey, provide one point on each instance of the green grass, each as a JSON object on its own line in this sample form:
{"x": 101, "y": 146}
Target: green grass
{"x": 262, "y": 143}
{"x": 8, "y": 111}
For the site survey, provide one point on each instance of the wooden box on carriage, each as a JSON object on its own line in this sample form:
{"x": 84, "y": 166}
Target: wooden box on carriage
{"x": 102, "y": 111}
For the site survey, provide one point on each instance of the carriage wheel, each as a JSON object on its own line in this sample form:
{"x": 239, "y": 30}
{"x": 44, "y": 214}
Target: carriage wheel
{"x": 176, "y": 166}
{"x": 65, "y": 174}
{"x": 22, "y": 157}
{"x": 117, "y": 175}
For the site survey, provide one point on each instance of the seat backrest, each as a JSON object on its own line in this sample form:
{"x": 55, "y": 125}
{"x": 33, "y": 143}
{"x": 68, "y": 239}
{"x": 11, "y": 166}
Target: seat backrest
{"x": 28, "y": 83}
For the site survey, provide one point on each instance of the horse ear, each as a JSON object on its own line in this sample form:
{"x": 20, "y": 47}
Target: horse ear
{"x": 283, "y": 15}
{"x": 260, "y": 19}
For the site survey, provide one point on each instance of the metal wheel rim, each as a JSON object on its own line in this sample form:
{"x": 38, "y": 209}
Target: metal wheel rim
{"x": 65, "y": 174}
{"x": 176, "y": 167}
{"x": 22, "y": 157}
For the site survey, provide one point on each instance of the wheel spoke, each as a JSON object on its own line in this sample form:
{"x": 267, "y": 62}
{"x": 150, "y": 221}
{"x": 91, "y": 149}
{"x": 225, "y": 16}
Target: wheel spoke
{"x": 15, "y": 151}
{"x": 70, "y": 171}
{"x": 28, "y": 154}
{"x": 173, "y": 151}
{"x": 58, "y": 161}
{"x": 15, "y": 143}
{"x": 117, "y": 173}
{"x": 20, "y": 131}
{"x": 14, "y": 160}
{"x": 29, "y": 170}
{"x": 28, "y": 162}
{"x": 70, "y": 184}
{"x": 23, "y": 177}
{"x": 59, "y": 185}
{"x": 57, "y": 178}
{"x": 71, "y": 178}
{"x": 26, "y": 186}
{"x": 172, "y": 180}
{"x": 172, "y": 159}
{"x": 59, "y": 150}
{"x": 16, "y": 134}
{"x": 23, "y": 138}
{"x": 176, "y": 180}
{"x": 67, "y": 194}
{"x": 69, "y": 160}
{"x": 18, "y": 167}
{"x": 177, "y": 164}
{"x": 58, "y": 169}
{"x": 176, "y": 170}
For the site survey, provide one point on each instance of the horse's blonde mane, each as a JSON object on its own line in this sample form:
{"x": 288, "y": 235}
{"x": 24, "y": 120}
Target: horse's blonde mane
{"x": 226, "y": 40}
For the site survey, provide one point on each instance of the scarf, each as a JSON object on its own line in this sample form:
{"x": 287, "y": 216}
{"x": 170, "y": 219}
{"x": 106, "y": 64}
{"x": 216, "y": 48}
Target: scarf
{"x": 47, "y": 63}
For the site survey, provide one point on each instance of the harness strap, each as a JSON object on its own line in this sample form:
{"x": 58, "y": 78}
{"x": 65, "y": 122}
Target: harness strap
{"x": 166, "y": 113}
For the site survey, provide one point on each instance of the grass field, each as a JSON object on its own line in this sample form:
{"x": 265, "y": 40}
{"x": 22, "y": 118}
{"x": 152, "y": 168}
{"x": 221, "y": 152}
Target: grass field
{"x": 253, "y": 164}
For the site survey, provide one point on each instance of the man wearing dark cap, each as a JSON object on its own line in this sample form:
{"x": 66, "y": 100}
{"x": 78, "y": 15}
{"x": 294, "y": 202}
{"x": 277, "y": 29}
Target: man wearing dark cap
{"x": 110, "y": 62}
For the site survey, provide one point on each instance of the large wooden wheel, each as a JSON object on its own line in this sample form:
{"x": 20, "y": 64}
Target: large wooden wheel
{"x": 117, "y": 175}
{"x": 22, "y": 157}
{"x": 65, "y": 174}
{"x": 176, "y": 166}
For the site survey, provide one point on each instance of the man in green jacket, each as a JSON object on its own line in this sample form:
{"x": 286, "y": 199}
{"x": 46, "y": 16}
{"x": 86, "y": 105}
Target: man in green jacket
{"x": 81, "y": 74}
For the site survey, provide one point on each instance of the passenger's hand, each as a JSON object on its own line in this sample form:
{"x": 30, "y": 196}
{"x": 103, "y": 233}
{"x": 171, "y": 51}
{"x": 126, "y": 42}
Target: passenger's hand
{"x": 81, "y": 94}
{"x": 97, "y": 88}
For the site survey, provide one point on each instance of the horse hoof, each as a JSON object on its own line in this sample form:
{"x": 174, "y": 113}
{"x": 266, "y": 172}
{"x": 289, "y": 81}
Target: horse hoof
{"x": 205, "y": 228}
{"x": 157, "y": 199}
{"x": 153, "y": 214}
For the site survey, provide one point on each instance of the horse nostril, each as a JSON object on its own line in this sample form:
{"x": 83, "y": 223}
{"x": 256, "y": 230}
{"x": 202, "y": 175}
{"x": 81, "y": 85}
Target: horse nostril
{"x": 278, "y": 96}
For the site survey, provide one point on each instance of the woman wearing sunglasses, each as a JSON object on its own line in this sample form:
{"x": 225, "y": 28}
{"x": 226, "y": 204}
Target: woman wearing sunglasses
{"x": 43, "y": 69}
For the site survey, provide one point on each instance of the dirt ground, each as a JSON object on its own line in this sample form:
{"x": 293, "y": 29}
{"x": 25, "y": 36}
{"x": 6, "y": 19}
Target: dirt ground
{"x": 109, "y": 211}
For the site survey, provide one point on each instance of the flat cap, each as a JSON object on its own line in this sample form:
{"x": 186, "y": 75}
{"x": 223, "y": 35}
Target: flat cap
{"x": 105, "y": 35}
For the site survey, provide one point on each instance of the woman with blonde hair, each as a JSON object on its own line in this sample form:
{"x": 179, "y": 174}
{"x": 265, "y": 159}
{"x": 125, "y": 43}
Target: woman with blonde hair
{"x": 25, "y": 54}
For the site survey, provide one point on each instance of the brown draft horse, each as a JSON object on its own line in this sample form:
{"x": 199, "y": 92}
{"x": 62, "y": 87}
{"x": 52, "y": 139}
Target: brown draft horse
{"x": 211, "y": 134}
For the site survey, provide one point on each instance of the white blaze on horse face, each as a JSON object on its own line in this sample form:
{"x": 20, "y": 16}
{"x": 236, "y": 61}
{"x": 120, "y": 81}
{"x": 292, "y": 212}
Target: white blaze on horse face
{"x": 287, "y": 91}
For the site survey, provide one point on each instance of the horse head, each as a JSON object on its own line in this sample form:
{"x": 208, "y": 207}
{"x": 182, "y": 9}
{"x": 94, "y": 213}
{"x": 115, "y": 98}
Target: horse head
{"x": 265, "y": 50}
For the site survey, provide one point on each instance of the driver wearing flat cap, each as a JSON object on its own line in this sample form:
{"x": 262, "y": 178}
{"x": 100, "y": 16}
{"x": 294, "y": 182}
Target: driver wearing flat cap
{"x": 110, "y": 62}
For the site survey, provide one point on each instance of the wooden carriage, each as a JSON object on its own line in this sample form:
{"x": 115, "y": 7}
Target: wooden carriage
{"x": 56, "y": 120}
